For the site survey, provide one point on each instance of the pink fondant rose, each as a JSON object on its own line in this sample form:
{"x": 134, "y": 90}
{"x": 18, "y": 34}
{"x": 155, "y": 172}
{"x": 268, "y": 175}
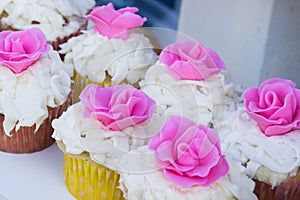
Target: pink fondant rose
{"x": 189, "y": 153}
{"x": 117, "y": 107}
{"x": 275, "y": 106}
{"x": 115, "y": 23}
{"x": 189, "y": 60}
{"x": 20, "y": 49}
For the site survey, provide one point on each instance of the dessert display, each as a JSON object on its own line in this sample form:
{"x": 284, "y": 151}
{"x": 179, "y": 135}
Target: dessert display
{"x": 35, "y": 88}
{"x": 59, "y": 20}
{"x": 263, "y": 134}
{"x": 109, "y": 53}
{"x": 136, "y": 120}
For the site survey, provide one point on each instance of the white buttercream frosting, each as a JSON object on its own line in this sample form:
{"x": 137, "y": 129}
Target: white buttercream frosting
{"x": 95, "y": 56}
{"x": 105, "y": 147}
{"x": 49, "y": 16}
{"x": 204, "y": 102}
{"x": 127, "y": 153}
{"x": 153, "y": 185}
{"x": 268, "y": 159}
{"x": 25, "y": 97}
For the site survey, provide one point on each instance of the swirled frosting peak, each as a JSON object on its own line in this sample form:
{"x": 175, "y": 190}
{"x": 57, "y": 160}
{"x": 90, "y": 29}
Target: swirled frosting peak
{"x": 56, "y": 19}
{"x": 98, "y": 57}
{"x": 268, "y": 159}
{"x": 26, "y": 97}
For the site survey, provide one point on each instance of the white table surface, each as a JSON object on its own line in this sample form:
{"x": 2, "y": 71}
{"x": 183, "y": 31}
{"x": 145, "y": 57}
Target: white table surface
{"x": 36, "y": 176}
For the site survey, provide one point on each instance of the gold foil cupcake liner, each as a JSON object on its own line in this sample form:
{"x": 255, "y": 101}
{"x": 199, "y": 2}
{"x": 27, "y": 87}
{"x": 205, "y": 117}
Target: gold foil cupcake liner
{"x": 87, "y": 180}
{"x": 81, "y": 81}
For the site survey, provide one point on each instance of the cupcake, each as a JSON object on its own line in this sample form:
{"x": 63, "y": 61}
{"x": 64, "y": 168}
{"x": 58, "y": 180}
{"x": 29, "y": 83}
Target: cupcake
{"x": 98, "y": 132}
{"x": 59, "y": 20}
{"x": 34, "y": 89}
{"x": 187, "y": 163}
{"x": 109, "y": 53}
{"x": 189, "y": 80}
{"x": 264, "y": 135}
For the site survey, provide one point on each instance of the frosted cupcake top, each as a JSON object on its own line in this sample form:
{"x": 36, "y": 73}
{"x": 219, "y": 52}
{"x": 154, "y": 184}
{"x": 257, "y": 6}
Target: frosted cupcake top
{"x": 108, "y": 123}
{"x": 110, "y": 48}
{"x": 187, "y": 80}
{"x": 55, "y": 18}
{"x": 189, "y": 165}
{"x": 265, "y": 133}
{"x": 32, "y": 78}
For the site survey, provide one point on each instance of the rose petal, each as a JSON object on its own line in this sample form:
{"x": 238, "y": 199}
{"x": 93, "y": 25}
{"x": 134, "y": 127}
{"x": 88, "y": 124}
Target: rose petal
{"x": 21, "y": 49}
{"x": 195, "y": 52}
{"x": 210, "y": 141}
{"x": 185, "y": 136}
{"x": 86, "y": 93}
{"x": 119, "y": 124}
{"x": 277, "y": 130}
{"x": 216, "y": 59}
{"x": 297, "y": 96}
{"x": 179, "y": 168}
{"x": 185, "y": 181}
{"x": 115, "y": 23}
{"x": 165, "y": 154}
{"x": 189, "y": 60}
{"x": 287, "y": 110}
{"x": 273, "y": 106}
{"x": 167, "y": 56}
{"x": 101, "y": 26}
{"x": 18, "y": 66}
{"x": 219, "y": 170}
{"x": 280, "y": 80}
{"x": 17, "y": 46}
{"x": 187, "y": 155}
{"x": 250, "y": 95}
{"x": 182, "y": 70}
{"x": 120, "y": 111}
{"x": 195, "y": 148}
{"x": 128, "y": 20}
{"x": 128, "y": 9}
{"x": 121, "y": 94}
{"x": 168, "y": 131}
{"x": 113, "y": 106}
{"x": 139, "y": 108}
{"x": 104, "y": 13}
{"x": 205, "y": 164}
{"x": 271, "y": 99}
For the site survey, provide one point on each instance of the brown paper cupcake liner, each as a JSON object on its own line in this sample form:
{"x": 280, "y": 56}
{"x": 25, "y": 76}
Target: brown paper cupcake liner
{"x": 60, "y": 40}
{"x": 289, "y": 190}
{"x": 26, "y": 140}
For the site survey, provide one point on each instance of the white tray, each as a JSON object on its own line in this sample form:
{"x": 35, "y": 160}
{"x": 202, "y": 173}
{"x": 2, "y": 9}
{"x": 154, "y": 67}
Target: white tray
{"x": 33, "y": 176}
